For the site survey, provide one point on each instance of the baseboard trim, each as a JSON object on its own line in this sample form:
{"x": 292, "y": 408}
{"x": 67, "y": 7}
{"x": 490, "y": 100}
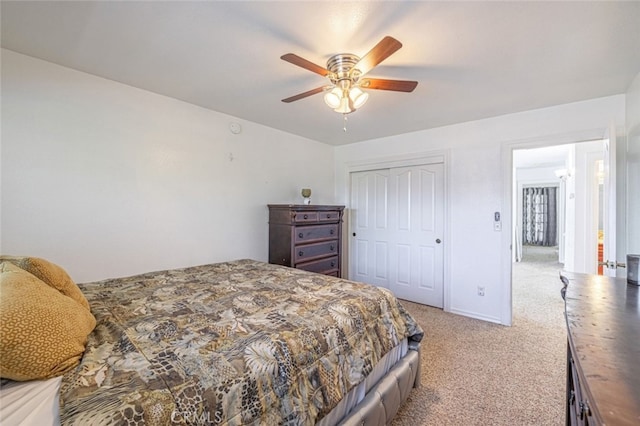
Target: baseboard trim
{"x": 476, "y": 315}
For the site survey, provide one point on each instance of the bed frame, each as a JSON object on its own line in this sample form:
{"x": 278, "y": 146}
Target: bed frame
{"x": 382, "y": 402}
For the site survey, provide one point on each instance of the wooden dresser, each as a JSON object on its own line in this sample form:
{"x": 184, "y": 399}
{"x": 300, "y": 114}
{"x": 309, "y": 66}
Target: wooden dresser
{"x": 306, "y": 237}
{"x": 603, "y": 350}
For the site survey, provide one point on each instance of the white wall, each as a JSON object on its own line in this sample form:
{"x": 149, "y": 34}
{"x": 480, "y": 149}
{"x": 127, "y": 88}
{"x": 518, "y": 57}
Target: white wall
{"x": 633, "y": 167}
{"x": 478, "y": 168}
{"x": 108, "y": 180}
{"x": 539, "y": 176}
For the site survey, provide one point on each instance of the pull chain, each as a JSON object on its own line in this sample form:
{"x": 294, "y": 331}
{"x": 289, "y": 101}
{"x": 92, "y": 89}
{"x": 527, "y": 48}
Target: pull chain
{"x": 344, "y": 128}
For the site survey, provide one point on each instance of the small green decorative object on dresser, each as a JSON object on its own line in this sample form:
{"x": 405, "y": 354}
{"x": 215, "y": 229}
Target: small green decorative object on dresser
{"x": 306, "y": 237}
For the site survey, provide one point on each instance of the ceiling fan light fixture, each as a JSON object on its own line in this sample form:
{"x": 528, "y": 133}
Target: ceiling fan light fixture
{"x": 358, "y": 97}
{"x": 333, "y": 98}
{"x": 345, "y": 106}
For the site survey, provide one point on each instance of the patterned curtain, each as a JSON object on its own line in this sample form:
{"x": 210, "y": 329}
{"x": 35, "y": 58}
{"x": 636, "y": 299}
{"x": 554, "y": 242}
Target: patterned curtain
{"x": 539, "y": 216}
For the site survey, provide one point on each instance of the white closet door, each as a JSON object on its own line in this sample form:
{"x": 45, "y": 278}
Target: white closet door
{"x": 417, "y": 228}
{"x": 398, "y": 221}
{"x": 369, "y": 226}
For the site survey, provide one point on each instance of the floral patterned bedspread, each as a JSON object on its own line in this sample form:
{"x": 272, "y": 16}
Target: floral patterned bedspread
{"x": 232, "y": 343}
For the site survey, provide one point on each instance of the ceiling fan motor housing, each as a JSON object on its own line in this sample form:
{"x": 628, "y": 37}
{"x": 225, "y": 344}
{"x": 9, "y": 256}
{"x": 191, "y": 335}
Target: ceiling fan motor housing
{"x": 341, "y": 66}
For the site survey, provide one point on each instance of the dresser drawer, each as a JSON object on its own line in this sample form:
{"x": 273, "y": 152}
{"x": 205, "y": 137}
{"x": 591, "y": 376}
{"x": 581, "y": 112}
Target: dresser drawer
{"x": 305, "y": 217}
{"x": 313, "y": 251}
{"x": 327, "y": 266}
{"x": 316, "y": 216}
{"x": 329, "y": 216}
{"x": 307, "y": 234}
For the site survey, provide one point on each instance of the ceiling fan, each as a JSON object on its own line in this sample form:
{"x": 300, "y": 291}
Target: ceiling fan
{"x": 345, "y": 71}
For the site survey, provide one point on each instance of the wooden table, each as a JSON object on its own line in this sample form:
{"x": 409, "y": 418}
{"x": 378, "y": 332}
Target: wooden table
{"x": 603, "y": 351}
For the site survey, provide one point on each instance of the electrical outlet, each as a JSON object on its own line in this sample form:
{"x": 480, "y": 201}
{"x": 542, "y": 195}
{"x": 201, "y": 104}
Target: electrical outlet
{"x": 480, "y": 291}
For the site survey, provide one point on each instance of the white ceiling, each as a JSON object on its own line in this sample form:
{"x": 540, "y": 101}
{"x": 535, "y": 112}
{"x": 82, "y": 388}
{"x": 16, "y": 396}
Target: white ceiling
{"x": 472, "y": 60}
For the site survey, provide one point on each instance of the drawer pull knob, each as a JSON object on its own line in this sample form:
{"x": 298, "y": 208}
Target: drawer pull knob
{"x": 300, "y": 253}
{"x": 333, "y": 263}
{"x": 300, "y": 235}
{"x": 331, "y": 247}
{"x": 328, "y": 216}
{"x": 306, "y": 216}
{"x": 331, "y": 232}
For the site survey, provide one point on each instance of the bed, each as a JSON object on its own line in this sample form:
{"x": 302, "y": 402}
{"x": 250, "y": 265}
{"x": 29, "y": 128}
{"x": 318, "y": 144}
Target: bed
{"x": 241, "y": 343}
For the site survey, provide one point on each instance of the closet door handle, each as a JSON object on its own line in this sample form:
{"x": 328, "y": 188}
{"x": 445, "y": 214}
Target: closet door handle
{"x": 438, "y": 241}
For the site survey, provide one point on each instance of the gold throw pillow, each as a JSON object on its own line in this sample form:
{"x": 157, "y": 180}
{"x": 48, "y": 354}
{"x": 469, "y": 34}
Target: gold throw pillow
{"x": 51, "y": 274}
{"x": 43, "y": 333}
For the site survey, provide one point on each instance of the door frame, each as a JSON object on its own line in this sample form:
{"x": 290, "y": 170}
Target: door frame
{"x": 389, "y": 162}
{"x": 506, "y": 311}
{"x": 591, "y": 211}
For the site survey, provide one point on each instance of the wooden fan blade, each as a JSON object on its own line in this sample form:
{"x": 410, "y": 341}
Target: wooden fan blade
{"x": 301, "y": 62}
{"x": 304, "y": 95}
{"x": 381, "y": 51}
{"x": 382, "y": 84}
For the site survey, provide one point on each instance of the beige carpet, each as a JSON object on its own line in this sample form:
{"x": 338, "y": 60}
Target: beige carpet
{"x": 479, "y": 373}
